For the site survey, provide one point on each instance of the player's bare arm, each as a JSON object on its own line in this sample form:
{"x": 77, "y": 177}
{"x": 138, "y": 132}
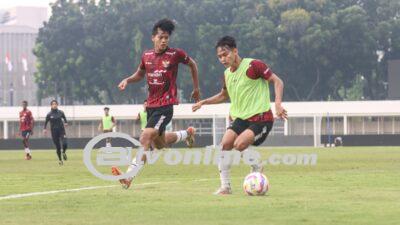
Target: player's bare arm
{"x": 32, "y": 124}
{"x": 222, "y": 96}
{"x": 114, "y": 122}
{"x": 100, "y": 127}
{"x": 278, "y": 86}
{"x": 137, "y": 76}
{"x": 194, "y": 71}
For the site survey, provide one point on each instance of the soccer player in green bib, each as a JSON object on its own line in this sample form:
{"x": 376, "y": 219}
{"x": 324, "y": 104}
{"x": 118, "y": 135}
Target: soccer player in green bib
{"x": 142, "y": 116}
{"x": 246, "y": 84}
{"x": 107, "y": 124}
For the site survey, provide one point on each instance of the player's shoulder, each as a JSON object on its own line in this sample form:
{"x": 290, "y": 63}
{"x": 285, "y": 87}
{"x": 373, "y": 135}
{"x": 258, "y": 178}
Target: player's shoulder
{"x": 174, "y": 51}
{"x": 148, "y": 52}
{"x": 226, "y": 71}
{"x": 25, "y": 111}
{"x": 255, "y": 61}
{"x": 61, "y": 112}
{"x": 258, "y": 63}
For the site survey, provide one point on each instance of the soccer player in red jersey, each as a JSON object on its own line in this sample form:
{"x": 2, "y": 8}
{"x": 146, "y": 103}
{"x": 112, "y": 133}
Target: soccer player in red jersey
{"x": 160, "y": 67}
{"x": 26, "y": 124}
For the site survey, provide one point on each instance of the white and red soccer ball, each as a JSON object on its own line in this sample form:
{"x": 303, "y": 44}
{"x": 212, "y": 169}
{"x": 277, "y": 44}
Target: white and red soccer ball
{"x": 256, "y": 184}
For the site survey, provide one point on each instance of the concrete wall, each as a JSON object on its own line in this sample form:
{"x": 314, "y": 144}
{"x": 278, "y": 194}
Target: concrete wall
{"x": 202, "y": 141}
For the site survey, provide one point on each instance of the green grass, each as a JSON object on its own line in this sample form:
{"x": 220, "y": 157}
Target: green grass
{"x": 347, "y": 186}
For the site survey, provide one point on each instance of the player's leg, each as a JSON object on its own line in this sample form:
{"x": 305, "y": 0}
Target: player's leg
{"x": 179, "y": 136}
{"x": 227, "y": 144}
{"x": 244, "y": 140}
{"x": 63, "y": 138}
{"x": 108, "y": 140}
{"x": 255, "y": 135}
{"x": 25, "y": 141}
{"x": 165, "y": 139}
{"x": 55, "y": 135}
{"x": 146, "y": 138}
{"x": 224, "y": 165}
{"x": 157, "y": 120}
{"x": 160, "y": 141}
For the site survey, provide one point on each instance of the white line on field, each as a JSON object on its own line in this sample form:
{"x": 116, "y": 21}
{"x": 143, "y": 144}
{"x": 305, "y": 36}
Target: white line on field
{"x": 53, "y": 192}
{"x": 82, "y": 189}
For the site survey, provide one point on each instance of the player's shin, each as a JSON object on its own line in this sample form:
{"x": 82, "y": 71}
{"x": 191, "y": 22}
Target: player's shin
{"x": 181, "y": 135}
{"x": 27, "y": 150}
{"x": 186, "y": 135}
{"x": 224, "y": 166}
{"x": 138, "y": 162}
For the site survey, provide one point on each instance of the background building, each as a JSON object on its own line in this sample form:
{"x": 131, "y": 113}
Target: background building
{"x": 17, "y": 64}
{"x": 26, "y": 16}
{"x": 359, "y": 123}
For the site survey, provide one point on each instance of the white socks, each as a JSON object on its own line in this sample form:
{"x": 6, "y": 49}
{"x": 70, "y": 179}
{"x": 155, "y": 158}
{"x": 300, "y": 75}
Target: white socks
{"x": 181, "y": 135}
{"x": 224, "y": 166}
{"x": 225, "y": 163}
{"x": 27, "y": 151}
{"x": 137, "y": 163}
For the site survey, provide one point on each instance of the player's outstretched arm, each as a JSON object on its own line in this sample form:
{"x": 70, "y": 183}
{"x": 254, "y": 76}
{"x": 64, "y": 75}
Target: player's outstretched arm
{"x": 216, "y": 99}
{"x": 278, "y": 86}
{"x": 194, "y": 71}
{"x": 137, "y": 76}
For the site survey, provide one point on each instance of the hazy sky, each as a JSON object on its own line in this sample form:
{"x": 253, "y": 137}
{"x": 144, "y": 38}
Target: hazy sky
{"x": 5, "y": 4}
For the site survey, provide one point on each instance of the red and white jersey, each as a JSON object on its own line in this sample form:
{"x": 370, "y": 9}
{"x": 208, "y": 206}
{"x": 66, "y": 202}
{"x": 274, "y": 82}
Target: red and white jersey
{"x": 161, "y": 72}
{"x": 25, "y": 120}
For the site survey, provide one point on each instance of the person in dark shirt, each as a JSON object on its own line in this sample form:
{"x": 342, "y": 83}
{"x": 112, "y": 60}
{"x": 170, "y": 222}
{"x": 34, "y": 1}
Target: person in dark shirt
{"x": 58, "y": 121}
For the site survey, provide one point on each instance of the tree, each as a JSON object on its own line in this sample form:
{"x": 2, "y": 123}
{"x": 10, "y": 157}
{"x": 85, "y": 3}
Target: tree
{"x": 320, "y": 48}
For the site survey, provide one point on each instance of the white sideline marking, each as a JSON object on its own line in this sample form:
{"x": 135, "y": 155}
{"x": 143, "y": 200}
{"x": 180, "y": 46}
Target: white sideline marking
{"x": 53, "y": 192}
{"x": 80, "y": 189}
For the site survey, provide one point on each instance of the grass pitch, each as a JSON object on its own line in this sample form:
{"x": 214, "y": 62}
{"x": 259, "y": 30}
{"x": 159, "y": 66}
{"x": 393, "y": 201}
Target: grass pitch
{"x": 346, "y": 186}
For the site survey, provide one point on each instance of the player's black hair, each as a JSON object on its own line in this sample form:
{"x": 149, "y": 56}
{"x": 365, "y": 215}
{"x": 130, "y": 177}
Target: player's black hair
{"x": 145, "y": 101}
{"x": 166, "y": 25}
{"x": 226, "y": 41}
{"x": 25, "y": 101}
{"x": 53, "y": 101}
{"x": 106, "y": 108}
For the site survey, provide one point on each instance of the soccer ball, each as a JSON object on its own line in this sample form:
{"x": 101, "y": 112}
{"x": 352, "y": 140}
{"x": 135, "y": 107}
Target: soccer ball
{"x": 255, "y": 184}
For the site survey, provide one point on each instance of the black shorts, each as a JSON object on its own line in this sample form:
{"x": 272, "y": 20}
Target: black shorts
{"x": 260, "y": 129}
{"x": 158, "y": 118}
{"x": 26, "y": 133}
